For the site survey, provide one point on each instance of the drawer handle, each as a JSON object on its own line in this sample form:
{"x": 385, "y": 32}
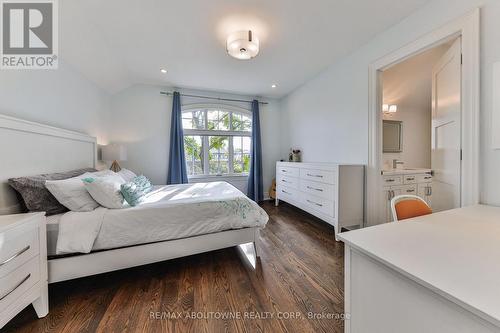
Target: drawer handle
{"x": 412, "y": 178}
{"x": 427, "y": 177}
{"x": 316, "y": 189}
{"x": 410, "y": 191}
{"x": 285, "y": 192}
{"x": 284, "y": 181}
{"x": 283, "y": 170}
{"x": 428, "y": 190}
{"x": 389, "y": 180}
{"x": 317, "y": 176}
{"x": 16, "y": 255}
{"x": 17, "y": 286}
{"x": 317, "y": 204}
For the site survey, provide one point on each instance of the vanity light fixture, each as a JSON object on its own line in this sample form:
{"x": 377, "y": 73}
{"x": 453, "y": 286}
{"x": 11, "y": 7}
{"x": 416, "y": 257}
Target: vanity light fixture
{"x": 242, "y": 45}
{"x": 389, "y": 108}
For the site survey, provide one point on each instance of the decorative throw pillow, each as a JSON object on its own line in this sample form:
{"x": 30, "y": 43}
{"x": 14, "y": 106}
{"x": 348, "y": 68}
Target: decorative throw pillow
{"x": 127, "y": 175}
{"x": 106, "y": 190}
{"x": 35, "y": 195}
{"x": 134, "y": 192}
{"x": 71, "y": 193}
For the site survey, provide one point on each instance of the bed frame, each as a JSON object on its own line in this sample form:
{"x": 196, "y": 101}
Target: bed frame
{"x": 34, "y": 148}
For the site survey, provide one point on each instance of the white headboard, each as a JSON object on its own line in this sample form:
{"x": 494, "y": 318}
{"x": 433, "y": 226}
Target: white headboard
{"x": 28, "y": 148}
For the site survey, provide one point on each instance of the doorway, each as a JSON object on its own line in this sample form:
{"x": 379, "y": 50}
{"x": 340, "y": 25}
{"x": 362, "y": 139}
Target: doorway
{"x": 421, "y": 138}
{"x": 465, "y": 33}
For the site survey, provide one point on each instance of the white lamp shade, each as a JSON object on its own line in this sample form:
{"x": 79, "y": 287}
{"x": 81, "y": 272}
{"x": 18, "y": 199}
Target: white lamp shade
{"x": 114, "y": 152}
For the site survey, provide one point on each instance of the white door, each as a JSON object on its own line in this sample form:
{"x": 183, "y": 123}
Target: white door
{"x": 446, "y": 129}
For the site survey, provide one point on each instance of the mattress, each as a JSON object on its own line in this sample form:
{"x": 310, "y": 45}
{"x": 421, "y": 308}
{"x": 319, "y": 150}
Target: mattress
{"x": 169, "y": 212}
{"x": 52, "y": 232}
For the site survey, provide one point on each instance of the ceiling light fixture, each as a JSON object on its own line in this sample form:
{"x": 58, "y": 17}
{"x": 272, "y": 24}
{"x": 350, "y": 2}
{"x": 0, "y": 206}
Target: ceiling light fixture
{"x": 273, "y": 86}
{"x": 242, "y": 45}
{"x": 163, "y": 70}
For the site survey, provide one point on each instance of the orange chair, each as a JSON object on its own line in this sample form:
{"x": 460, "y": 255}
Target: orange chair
{"x": 408, "y": 206}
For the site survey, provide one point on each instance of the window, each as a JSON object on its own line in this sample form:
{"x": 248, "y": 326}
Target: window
{"x": 217, "y": 141}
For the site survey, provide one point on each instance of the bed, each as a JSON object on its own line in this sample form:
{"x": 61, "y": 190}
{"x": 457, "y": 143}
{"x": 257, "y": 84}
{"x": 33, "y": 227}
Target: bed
{"x": 174, "y": 221}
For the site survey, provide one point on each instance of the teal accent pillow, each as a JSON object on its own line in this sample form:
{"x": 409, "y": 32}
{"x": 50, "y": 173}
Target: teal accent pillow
{"x": 134, "y": 191}
{"x": 88, "y": 180}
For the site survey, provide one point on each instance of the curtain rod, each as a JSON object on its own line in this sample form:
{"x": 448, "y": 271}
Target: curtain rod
{"x": 169, "y": 93}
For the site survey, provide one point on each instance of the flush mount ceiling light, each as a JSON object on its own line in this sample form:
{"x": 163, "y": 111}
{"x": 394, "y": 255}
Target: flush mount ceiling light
{"x": 273, "y": 86}
{"x": 163, "y": 70}
{"x": 242, "y": 45}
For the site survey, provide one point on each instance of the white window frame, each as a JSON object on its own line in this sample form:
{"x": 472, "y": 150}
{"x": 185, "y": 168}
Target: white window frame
{"x": 206, "y": 133}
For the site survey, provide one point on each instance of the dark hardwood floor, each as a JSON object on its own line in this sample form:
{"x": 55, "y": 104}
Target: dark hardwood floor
{"x": 300, "y": 272}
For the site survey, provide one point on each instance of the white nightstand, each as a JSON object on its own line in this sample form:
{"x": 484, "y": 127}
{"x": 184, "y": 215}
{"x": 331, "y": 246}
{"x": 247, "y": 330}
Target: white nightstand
{"x": 23, "y": 265}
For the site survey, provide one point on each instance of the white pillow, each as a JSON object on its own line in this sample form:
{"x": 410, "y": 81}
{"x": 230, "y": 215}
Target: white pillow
{"x": 71, "y": 193}
{"x": 106, "y": 190}
{"x": 127, "y": 175}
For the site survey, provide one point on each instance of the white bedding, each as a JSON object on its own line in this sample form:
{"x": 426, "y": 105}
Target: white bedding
{"x": 169, "y": 212}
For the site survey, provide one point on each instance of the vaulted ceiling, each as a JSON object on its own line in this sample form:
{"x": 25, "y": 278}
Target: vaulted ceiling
{"x": 118, "y": 43}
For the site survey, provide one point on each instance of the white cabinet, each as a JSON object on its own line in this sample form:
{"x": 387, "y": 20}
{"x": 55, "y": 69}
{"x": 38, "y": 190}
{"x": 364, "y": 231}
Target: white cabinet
{"x": 331, "y": 192}
{"x": 23, "y": 265}
{"x": 413, "y": 184}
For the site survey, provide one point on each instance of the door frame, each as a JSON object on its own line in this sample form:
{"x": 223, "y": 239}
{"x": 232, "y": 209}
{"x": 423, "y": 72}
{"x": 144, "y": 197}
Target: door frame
{"x": 468, "y": 28}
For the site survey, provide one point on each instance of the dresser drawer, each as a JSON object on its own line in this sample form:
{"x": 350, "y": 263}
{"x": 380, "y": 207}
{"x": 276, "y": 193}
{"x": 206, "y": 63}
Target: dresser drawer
{"x": 323, "y": 176}
{"x": 410, "y": 179}
{"x": 289, "y": 193}
{"x": 287, "y": 171}
{"x": 392, "y": 180}
{"x": 323, "y": 205}
{"x": 424, "y": 178}
{"x": 18, "y": 246}
{"x": 17, "y": 282}
{"x": 323, "y": 190}
{"x": 288, "y": 181}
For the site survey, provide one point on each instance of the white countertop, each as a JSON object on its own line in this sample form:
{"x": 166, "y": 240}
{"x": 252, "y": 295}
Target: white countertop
{"x": 455, "y": 253}
{"x": 411, "y": 171}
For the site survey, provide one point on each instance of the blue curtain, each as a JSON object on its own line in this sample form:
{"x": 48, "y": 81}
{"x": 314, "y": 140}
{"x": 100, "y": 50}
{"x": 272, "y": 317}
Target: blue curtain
{"x": 255, "y": 186}
{"x": 177, "y": 173}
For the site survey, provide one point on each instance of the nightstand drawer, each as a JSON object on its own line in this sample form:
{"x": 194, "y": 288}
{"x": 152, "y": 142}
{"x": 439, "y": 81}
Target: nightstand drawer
{"x": 19, "y": 245}
{"x": 15, "y": 284}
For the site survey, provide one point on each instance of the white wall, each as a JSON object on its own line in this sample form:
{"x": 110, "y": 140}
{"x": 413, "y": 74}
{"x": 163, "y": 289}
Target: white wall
{"x": 141, "y": 119}
{"x": 409, "y": 86}
{"x": 62, "y": 98}
{"x": 328, "y": 116}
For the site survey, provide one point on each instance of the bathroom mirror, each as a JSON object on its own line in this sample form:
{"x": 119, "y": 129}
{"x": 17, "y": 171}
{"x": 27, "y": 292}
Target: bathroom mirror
{"x": 392, "y": 136}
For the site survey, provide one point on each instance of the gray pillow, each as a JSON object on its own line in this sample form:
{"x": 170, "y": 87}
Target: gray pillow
{"x": 35, "y": 195}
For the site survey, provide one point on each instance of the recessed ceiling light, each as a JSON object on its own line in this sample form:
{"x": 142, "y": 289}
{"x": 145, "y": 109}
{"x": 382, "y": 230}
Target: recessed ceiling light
{"x": 273, "y": 86}
{"x": 163, "y": 70}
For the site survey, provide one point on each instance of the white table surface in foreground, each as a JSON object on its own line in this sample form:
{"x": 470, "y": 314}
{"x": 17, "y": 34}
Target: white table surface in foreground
{"x": 454, "y": 253}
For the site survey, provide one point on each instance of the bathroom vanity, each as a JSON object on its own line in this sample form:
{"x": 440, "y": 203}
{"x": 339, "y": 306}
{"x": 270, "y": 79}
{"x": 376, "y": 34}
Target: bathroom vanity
{"x": 404, "y": 181}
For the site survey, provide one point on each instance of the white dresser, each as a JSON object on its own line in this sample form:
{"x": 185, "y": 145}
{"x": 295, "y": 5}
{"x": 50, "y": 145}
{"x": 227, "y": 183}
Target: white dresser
{"x": 23, "y": 265}
{"x": 331, "y": 192}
